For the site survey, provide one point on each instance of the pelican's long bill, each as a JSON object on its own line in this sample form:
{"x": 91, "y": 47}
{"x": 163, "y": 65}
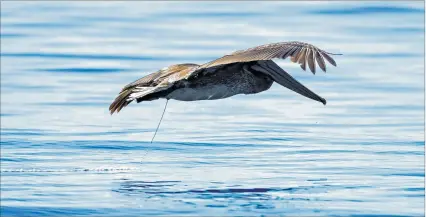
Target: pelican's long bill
{"x": 282, "y": 77}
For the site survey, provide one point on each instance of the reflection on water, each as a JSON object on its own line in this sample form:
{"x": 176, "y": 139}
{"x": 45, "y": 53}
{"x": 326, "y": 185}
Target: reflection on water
{"x": 276, "y": 152}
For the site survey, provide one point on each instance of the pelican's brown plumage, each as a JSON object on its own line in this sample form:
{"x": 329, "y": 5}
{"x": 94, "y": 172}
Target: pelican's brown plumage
{"x": 242, "y": 72}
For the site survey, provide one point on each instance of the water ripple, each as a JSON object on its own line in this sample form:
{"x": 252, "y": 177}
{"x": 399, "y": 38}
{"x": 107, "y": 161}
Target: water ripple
{"x": 368, "y": 10}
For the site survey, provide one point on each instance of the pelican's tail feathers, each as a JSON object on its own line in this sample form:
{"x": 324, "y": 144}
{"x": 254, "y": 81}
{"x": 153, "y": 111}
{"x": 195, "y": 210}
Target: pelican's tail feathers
{"x": 127, "y": 96}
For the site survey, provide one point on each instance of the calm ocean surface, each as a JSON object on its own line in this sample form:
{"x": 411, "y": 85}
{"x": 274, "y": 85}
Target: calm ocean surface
{"x": 273, "y": 153}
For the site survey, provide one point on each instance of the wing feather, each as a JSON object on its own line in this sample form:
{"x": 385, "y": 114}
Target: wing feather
{"x": 299, "y": 52}
{"x": 152, "y": 83}
{"x": 311, "y": 60}
{"x": 295, "y": 54}
{"x": 301, "y": 55}
{"x": 156, "y": 77}
{"x": 289, "y": 52}
{"x": 302, "y": 59}
{"x": 328, "y": 58}
{"x": 144, "y": 81}
{"x": 320, "y": 61}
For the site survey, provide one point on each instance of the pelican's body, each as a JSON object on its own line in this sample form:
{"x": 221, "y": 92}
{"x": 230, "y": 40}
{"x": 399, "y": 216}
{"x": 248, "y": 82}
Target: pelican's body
{"x": 225, "y": 83}
{"x": 243, "y": 72}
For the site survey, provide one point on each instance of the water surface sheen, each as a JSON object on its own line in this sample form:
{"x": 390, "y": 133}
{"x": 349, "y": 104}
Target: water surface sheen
{"x": 273, "y": 153}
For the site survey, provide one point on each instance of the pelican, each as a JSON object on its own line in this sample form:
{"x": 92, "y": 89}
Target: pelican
{"x": 247, "y": 71}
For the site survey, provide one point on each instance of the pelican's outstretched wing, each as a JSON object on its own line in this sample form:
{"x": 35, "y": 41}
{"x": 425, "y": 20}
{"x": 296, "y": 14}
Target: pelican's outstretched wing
{"x": 149, "y": 84}
{"x": 158, "y": 76}
{"x": 299, "y": 52}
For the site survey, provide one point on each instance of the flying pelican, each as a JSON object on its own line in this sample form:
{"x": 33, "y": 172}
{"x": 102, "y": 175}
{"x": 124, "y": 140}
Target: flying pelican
{"x": 247, "y": 71}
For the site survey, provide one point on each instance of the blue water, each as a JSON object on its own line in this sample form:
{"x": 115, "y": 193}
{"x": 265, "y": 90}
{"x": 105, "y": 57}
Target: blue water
{"x": 273, "y": 153}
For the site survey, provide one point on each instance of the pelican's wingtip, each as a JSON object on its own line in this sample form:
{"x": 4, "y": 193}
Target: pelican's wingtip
{"x": 338, "y": 54}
